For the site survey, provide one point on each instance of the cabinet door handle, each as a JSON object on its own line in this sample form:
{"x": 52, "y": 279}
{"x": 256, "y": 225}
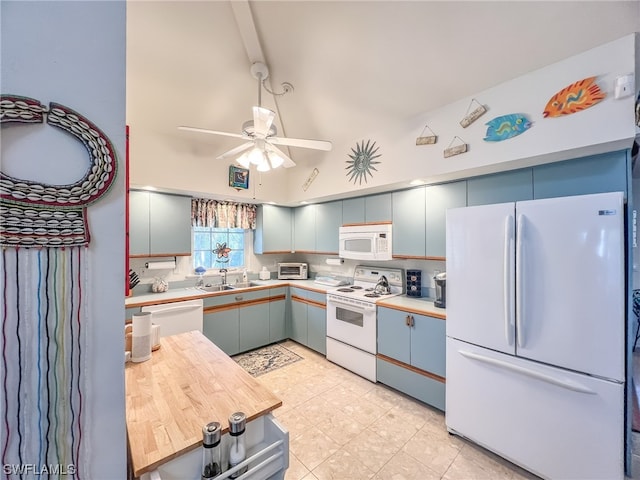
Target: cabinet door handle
{"x": 238, "y": 298}
{"x": 413, "y": 322}
{"x": 406, "y": 320}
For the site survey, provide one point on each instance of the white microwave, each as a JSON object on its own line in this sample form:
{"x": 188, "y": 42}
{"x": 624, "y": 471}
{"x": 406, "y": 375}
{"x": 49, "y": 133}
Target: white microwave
{"x": 293, "y": 271}
{"x": 366, "y": 242}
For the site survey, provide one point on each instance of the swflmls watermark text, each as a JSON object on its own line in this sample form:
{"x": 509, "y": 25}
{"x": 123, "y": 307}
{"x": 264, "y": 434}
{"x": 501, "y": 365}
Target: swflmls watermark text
{"x": 35, "y": 469}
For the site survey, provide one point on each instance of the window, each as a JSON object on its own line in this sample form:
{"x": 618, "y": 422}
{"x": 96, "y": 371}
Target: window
{"x": 218, "y": 247}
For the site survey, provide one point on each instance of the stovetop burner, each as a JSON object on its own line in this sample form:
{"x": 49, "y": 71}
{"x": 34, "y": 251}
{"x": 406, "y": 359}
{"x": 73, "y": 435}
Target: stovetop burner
{"x": 365, "y": 280}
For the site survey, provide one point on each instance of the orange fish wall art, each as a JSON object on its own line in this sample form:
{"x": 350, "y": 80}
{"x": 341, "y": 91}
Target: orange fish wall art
{"x": 576, "y": 97}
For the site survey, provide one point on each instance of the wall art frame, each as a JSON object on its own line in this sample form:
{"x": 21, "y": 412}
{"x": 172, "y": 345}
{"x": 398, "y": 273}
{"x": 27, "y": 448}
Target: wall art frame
{"x": 238, "y": 177}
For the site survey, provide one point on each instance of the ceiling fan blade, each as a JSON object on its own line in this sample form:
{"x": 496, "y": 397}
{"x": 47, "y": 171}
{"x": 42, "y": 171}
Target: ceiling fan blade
{"x": 300, "y": 142}
{"x": 211, "y": 132}
{"x": 235, "y": 151}
{"x": 262, "y": 120}
{"x": 288, "y": 163}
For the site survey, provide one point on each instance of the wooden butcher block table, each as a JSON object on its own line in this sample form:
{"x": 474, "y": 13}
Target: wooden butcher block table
{"x": 186, "y": 384}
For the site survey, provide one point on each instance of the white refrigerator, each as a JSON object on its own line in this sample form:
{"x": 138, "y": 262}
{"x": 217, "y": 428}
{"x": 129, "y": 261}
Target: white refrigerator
{"x": 536, "y": 333}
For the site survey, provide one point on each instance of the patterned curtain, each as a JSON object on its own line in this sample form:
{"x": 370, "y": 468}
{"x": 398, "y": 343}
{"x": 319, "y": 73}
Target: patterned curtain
{"x": 212, "y": 213}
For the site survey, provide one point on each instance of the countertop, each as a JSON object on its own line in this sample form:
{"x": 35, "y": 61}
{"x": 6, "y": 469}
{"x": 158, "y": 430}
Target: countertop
{"x": 190, "y": 293}
{"x": 186, "y": 384}
{"x": 419, "y": 305}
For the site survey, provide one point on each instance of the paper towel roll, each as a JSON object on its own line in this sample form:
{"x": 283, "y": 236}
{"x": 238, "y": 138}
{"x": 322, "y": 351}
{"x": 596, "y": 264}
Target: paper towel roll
{"x": 161, "y": 265}
{"x": 141, "y": 337}
{"x": 334, "y": 261}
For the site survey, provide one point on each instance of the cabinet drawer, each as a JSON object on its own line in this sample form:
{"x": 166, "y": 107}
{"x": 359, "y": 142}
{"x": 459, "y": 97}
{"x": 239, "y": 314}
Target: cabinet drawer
{"x": 421, "y": 387}
{"x": 278, "y": 292}
{"x": 317, "y": 297}
{"x": 235, "y": 298}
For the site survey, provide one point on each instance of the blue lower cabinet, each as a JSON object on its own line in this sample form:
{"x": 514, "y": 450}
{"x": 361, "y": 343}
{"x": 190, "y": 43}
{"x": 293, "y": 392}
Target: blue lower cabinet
{"x": 411, "y": 354}
{"x": 417, "y": 385}
{"x": 308, "y": 320}
{"x": 223, "y": 329}
{"x": 277, "y": 320}
{"x": 317, "y": 328}
{"x": 298, "y": 331}
{"x": 254, "y": 326}
{"x": 428, "y": 344}
{"x": 240, "y": 321}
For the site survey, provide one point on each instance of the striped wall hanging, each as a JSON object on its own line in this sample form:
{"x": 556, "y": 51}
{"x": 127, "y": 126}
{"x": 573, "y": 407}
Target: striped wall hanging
{"x": 44, "y": 236}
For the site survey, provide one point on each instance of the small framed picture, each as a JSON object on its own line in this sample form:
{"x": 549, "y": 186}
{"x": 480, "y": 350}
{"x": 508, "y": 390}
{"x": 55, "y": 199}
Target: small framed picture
{"x": 238, "y": 177}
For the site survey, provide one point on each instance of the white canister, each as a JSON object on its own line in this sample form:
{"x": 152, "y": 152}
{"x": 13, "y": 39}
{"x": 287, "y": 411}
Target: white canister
{"x": 141, "y": 337}
{"x": 264, "y": 274}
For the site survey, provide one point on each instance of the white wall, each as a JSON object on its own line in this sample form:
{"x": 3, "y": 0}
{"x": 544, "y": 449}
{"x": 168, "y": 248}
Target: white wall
{"x": 73, "y": 53}
{"x": 605, "y": 127}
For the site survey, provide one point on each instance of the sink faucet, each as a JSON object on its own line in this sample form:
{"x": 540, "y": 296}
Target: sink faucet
{"x": 223, "y": 272}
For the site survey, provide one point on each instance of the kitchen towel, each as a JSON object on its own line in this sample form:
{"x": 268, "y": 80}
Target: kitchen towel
{"x": 161, "y": 265}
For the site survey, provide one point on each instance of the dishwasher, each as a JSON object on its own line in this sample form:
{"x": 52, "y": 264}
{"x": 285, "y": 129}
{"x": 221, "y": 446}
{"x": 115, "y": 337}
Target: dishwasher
{"x": 176, "y": 317}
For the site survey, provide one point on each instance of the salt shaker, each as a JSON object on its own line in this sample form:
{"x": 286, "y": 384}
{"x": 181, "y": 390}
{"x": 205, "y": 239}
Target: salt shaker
{"x": 237, "y": 451}
{"x": 211, "y": 450}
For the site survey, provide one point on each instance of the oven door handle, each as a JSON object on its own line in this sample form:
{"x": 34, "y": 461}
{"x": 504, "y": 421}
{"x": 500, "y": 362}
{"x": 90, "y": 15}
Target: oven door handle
{"x": 351, "y": 306}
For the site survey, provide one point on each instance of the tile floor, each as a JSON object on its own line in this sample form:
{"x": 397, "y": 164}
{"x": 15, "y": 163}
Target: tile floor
{"x": 343, "y": 427}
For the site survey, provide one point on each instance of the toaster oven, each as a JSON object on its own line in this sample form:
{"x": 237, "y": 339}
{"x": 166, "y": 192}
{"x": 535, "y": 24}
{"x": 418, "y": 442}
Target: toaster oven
{"x": 292, "y": 271}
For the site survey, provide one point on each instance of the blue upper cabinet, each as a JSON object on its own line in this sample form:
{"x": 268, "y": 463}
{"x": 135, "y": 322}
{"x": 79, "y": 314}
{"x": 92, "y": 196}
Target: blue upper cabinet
{"x": 409, "y": 222}
{"x": 438, "y": 199}
{"x": 377, "y": 208}
{"x": 273, "y": 229}
{"x": 159, "y": 224}
{"x": 304, "y": 229}
{"x": 138, "y": 223}
{"x": 606, "y": 172}
{"x": 169, "y": 224}
{"x": 353, "y": 210}
{"x": 502, "y": 187}
{"x": 328, "y": 222}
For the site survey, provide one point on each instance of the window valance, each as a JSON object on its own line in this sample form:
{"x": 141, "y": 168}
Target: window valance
{"x": 213, "y": 213}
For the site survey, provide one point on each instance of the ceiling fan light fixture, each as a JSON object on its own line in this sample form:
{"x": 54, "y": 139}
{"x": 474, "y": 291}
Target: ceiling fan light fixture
{"x": 256, "y": 156}
{"x": 264, "y": 165}
{"x": 274, "y": 159}
{"x": 244, "y": 160}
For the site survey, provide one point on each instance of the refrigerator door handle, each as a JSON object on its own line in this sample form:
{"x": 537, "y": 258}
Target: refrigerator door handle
{"x": 560, "y": 382}
{"x": 508, "y": 287}
{"x": 519, "y": 282}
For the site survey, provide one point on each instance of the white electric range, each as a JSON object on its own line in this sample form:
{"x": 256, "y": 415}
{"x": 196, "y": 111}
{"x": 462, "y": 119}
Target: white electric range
{"x": 351, "y": 317}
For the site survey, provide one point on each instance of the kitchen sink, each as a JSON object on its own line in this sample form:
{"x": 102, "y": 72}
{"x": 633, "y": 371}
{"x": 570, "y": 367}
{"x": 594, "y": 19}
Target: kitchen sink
{"x": 215, "y": 288}
{"x": 229, "y": 286}
{"x": 243, "y": 285}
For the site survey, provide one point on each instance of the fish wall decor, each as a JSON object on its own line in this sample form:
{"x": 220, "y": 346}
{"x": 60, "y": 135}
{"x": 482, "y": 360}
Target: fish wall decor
{"x": 506, "y": 126}
{"x": 574, "y": 98}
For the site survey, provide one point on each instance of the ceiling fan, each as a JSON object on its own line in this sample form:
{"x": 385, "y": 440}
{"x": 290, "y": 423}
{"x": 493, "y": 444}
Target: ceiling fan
{"x": 261, "y": 134}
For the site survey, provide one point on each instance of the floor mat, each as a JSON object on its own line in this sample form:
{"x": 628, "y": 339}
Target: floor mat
{"x": 266, "y": 359}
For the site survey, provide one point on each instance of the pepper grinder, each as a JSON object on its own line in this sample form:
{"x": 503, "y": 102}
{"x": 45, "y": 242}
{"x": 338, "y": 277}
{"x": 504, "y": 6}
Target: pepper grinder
{"x": 211, "y": 450}
{"x": 237, "y": 451}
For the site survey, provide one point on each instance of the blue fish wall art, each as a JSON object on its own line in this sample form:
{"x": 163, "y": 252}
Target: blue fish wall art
{"x": 506, "y": 126}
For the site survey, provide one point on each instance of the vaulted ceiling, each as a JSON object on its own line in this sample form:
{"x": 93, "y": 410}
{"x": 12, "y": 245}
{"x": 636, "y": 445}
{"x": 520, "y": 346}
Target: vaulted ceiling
{"x": 356, "y": 66}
